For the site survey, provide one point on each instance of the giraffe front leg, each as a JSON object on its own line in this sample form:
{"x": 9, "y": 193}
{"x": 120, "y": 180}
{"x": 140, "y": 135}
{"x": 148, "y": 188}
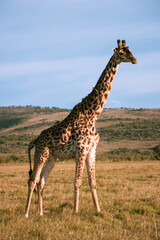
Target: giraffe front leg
{"x": 90, "y": 162}
{"x": 40, "y": 198}
{"x": 78, "y": 180}
{"x": 31, "y": 187}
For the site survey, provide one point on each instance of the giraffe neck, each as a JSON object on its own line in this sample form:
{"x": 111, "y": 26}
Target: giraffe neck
{"x": 97, "y": 99}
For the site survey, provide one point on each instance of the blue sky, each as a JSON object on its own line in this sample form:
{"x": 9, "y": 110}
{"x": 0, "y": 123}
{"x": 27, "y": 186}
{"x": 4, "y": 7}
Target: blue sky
{"x": 53, "y": 52}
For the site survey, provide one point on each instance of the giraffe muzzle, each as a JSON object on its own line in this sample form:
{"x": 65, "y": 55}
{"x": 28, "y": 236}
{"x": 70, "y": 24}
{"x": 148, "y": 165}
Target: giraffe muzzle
{"x": 134, "y": 61}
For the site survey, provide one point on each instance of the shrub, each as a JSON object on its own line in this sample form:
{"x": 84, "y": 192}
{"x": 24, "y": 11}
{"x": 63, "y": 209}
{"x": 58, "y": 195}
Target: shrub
{"x": 156, "y": 152}
{"x": 14, "y": 158}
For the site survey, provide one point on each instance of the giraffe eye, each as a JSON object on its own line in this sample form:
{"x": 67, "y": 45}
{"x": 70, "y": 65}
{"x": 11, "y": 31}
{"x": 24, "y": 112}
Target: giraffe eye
{"x": 120, "y": 53}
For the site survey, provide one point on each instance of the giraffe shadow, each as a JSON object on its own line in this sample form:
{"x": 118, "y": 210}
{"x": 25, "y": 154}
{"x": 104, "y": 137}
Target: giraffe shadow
{"x": 60, "y": 208}
{"x": 63, "y": 205}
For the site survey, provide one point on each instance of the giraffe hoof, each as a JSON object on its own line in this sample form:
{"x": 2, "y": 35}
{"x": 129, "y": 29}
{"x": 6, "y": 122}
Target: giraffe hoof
{"x": 26, "y": 215}
{"x": 75, "y": 211}
{"x": 40, "y": 214}
{"x": 98, "y": 210}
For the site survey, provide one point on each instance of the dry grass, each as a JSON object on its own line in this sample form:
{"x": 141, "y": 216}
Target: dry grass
{"x": 129, "y": 197}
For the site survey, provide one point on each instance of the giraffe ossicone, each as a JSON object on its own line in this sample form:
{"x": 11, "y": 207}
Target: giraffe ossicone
{"x": 75, "y": 136}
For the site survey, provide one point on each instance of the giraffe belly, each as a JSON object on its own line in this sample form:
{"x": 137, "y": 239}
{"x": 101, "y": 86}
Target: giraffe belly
{"x": 65, "y": 151}
{"x": 63, "y": 155}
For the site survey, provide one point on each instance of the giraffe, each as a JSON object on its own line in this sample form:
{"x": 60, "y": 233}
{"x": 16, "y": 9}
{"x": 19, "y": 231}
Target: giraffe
{"x": 76, "y": 135}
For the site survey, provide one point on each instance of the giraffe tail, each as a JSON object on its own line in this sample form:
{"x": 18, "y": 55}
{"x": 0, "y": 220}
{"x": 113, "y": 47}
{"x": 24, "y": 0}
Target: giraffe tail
{"x": 30, "y": 146}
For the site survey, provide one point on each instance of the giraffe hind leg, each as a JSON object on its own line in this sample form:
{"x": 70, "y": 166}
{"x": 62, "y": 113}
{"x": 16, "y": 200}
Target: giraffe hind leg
{"x": 31, "y": 186}
{"x": 39, "y": 161}
{"x": 78, "y": 180}
{"x": 43, "y": 178}
{"x": 90, "y": 162}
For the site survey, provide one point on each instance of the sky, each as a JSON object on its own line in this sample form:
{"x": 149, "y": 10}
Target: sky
{"x": 52, "y": 52}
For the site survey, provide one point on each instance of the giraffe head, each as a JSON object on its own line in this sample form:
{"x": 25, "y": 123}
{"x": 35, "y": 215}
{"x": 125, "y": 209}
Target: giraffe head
{"x": 123, "y": 53}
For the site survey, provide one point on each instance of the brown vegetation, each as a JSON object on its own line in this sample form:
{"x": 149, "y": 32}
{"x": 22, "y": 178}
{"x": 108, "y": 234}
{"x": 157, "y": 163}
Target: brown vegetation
{"x": 128, "y": 192}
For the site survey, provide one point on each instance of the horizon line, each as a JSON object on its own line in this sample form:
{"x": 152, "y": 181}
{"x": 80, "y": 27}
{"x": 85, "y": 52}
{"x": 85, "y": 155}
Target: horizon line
{"x": 21, "y": 106}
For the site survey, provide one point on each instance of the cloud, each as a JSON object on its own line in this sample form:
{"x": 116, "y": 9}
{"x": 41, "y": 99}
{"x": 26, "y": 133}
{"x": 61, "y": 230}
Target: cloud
{"x": 58, "y": 49}
{"x": 147, "y": 61}
{"x": 38, "y": 67}
{"x": 84, "y": 72}
{"x": 61, "y": 28}
{"x": 141, "y": 78}
{"x": 112, "y": 102}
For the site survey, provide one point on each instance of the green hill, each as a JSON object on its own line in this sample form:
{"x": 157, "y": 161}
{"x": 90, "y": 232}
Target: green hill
{"x": 125, "y": 134}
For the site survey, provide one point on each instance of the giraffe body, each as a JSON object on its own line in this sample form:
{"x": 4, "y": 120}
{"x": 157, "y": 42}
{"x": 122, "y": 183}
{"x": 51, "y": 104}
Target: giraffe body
{"x": 75, "y": 136}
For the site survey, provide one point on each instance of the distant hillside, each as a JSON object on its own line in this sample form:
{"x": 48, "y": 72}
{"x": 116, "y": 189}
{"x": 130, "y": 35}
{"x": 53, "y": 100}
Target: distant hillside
{"x": 123, "y": 132}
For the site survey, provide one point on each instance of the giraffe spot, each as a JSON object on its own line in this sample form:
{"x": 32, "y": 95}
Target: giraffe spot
{"x": 114, "y": 65}
{"x": 65, "y": 138}
{"x": 111, "y": 79}
{"x": 106, "y": 95}
{"x": 110, "y": 65}
{"x": 109, "y": 88}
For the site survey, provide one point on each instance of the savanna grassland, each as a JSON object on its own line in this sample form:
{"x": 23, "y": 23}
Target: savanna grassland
{"x": 129, "y": 197}
{"x": 127, "y": 174}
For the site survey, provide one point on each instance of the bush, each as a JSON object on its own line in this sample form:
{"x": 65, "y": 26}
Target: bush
{"x": 156, "y": 152}
{"x": 125, "y": 154}
{"x": 138, "y": 129}
{"x": 9, "y": 122}
{"x": 14, "y": 158}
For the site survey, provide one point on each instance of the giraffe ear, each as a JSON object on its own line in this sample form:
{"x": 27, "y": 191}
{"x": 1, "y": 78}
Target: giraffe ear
{"x": 114, "y": 49}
